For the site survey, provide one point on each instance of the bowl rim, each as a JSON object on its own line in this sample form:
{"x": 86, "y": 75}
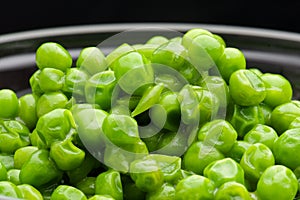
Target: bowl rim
{"x": 117, "y": 27}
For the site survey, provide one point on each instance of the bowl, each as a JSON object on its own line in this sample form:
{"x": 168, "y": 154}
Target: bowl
{"x": 268, "y": 50}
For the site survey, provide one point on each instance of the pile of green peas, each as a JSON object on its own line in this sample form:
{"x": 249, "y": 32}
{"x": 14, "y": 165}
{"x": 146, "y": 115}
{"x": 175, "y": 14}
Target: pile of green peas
{"x": 174, "y": 118}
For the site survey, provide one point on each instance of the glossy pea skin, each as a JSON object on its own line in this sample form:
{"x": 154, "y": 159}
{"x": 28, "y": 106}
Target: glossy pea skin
{"x": 117, "y": 53}
{"x": 13, "y": 175}
{"x": 27, "y": 110}
{"x": 238, "y": 149}
{"x": 92, "y": 60}
{"x": 101, "y": 197}
{"x": 3, "y": 172}
{"x": 199, "y": 155}
{"x": 167, "y": 191}
{"x": 232, "y": 190}
{"x": 224, "y": 170}
{"x": 9, "y": 103}
{"x": 9, "y": 189}
{"x": 277, "y": 183}
{"x": 51, "y": 79}
{"x": 295, "y": 123}
{"x": 74, "y": 82}
{"x": 22, "y": 155}
{"x": 286, "y": 148}
{"x": 65, "y": 192}
{"x": 53, "y": 55}
{"x": 256, "y": 159}
{"x": 218, "y": 133}
{"x": 99, "y": 89}
{"x": 194, "y": 187}
{"x": 188, "y": 37}
{"x": 157, "y": 40}
{"x": 246, "y": 88}
{"x": 278, "y": 89}
{"x": 230, "y": 61}
{"x": 30, "y": 192}
{"x": 50, "y": 101}
{"x": 262, "y": 134}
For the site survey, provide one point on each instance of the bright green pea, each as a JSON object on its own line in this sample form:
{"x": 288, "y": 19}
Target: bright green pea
{"x": 66, "y": 192}
{"x": 51, "y": 79}
{"x": 170, "y": 108}
{"x": 146, "y": 174}
{"x": 295, "y": 123}
{"x": 74, "y": 83}
{"x": 50, "y": 101}
{"x": 244, "y": 119}
{"x": 36, "y": 140}
{"x": 256, "y": 71}
{"x": 8, "y": 189}
{"x": 220, "y": 39}
{"x": 204, "y": 51}
{"x": 256, "y": 159}
{"x": 194, "y": 187}
{"x": 101, "y": 197}
{"x": 232, "y": 190}
{"x": 284, "y": 114}
{"x": 9, "y": 103}
{"x": 218, "y": 133}
{"x": 276, "y": 183}
{"x": 92, "y": 60}
{"x": 117, "y": 53}
{"x": 22, "y": 155}
{"x": 99, "y": 89}
{"x": 66, "y": 155}
{"x": 157, "y": 40}
{"x": 230, "y": 61}
{"x": 35, "y": 83}
{"x": 13, "y": 176}
{"x": 133, "y": 66}
{"x": 262, "y": 134}
{"x": 39, "y": 170}
{"x": 87, "y": 185}
{"x": 238, "y": 149}
{"x": 146, "y": 49}
{"x": 7, "y": 160}
{"x": 3, "y": 172}
{"x": 27, "y": 110}
{"x": 267, "y": 111}
{"x": 53, "y": 55}
{"x": 170, "y": 54}
{"x": 199, "y": 155}
{"x": 109, "y": 183}
{"x": 246, "y": 88}
{"x": 188, "y": 37}
{"x": 30, "y": 192}
{"x": 165, "y": 192}
{"x": 54, "y": 126}
{"x": 286, "y": 147}
{"x": 225, "y": 170}
{"x": 278, "y": 88}
{"x": 191, "y": 73}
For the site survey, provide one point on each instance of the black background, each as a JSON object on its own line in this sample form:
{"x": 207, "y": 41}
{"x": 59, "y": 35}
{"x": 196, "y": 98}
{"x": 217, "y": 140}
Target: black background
{"x": 29, "y": 15}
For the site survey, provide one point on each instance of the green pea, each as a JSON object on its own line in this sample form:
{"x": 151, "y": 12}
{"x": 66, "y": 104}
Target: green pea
{"x": 27, "y": 110}
{"x": 101, "y": 197}
{"x": 232, "y": 190}
{"x": 244, "y": 119}
{"x": 256, "y": 71}
{"x": 176, "y": 39}
{"x": 170, "y": 54}
{"x": 51, "y": 79}
{"x": 65, "y": 192}
{"x": 157, "y": 40}
{"x": 22, "y": 155}
{"x": 267, "y": 112}
{"x": 225, "y": 170}
{"x": 195, "y": 187}
{"x": 66, "y": 155}
{"x": 34, "y": 82}
{"x": 87, "y": 185}
{"x": 166, "y": 191}
{"x": 204, "y": 51}
{"x": 246, "y": 88}
{"x": 199, "y": 155}
{"x": 99, "y": 89}
{"x": 30, "y": 192}
{"x": 295, "y": 123}
{"x": 230, "y": 61}
{"x": 146, "y": 49}
{"x": 130, "y": 191}
{"x": 220, "y": 39}
{"x": 256, "y": 159}
{"x": 53, "y": 55}
{"x": 262, "y": 134}
{"x": 109, "y": 183}
{"x": 50, "y": 101}
{"x": 146, "y": 174}
{"x": 218, "y": 133}
{"x": 286, "y": 147}
{"x": 74, "y": 83}
{"x": 36, "y": 140}
{"x": 278, "y": 88}
{"x": 238, "y": 149}
{"x": 188, "y": 37}
{"x": 92, "y": 60}
{"x": 54, "y": 126}
{"x": 117, "y": 53}
{"x": 9, "y": 189}
{"x": 9, "y": 103}
{"x": 284, "y": 114}
{"x": 7, "y": 160}
{"x": 276, "y": 183}
{"x": 39, "y": 170}
{"x": 13, "y": 176}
